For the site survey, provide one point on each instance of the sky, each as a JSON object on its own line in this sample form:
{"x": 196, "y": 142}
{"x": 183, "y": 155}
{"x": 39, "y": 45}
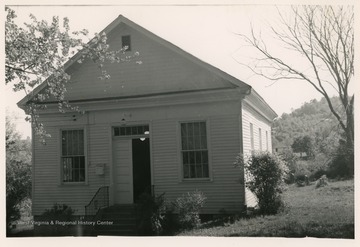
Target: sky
{"x": 209, "y": 32}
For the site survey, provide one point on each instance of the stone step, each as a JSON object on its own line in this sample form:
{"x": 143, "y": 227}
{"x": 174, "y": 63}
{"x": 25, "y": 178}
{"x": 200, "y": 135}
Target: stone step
{"x": 123, "y": 221}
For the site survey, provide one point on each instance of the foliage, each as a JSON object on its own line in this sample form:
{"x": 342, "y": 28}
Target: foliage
{"x": 18, "y": 188}
{"x": 36, "y": 53}
{"x": 265, "y": 174}
{"x": 152, "y": 212}
{"x": 61, "y": 212}
{"x": 326, "y": 212}
{"x": 332, "y": 156}
{"x": 188, "y": 206}
{"x": 304, "y": 144}
{"x": 342, "y": 164}
{"x": 322, "y": 38}
{"x": 318, "y": 123}
{"x": 18, "y": 170}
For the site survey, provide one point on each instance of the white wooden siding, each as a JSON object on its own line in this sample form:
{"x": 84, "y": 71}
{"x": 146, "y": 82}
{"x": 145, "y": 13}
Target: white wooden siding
{"x": 249, "y": 115}
{"x": 161, "y": 70}
{"x": 223, "y": 191}
{"x": 48, "y": 188}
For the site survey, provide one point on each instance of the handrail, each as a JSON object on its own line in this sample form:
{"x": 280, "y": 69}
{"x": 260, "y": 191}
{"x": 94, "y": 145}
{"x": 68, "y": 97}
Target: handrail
{"x": 99, "y": 201}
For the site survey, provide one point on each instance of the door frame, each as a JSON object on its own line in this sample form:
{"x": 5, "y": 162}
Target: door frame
{"x": 112, "y": 192}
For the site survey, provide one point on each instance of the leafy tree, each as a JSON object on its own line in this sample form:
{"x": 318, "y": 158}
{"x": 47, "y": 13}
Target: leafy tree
{"x": 18, "y": 171}
{"x": 37, "y": 51}
{"x": 304, "y": 144}
{"x": 322, "y": 37}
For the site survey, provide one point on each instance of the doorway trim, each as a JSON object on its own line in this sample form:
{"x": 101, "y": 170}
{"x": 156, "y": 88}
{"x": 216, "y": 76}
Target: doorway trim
{"x": 127, "y": 137}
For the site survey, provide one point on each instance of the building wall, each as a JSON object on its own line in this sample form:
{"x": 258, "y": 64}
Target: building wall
{"x": 250, "y": 115}
{"x": 223, "y": 191}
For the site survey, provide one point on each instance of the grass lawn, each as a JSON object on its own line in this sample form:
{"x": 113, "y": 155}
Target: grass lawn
{"x": 326, "y": 212}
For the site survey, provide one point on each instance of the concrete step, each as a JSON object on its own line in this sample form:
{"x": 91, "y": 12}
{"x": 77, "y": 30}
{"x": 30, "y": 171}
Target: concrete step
{"x": 123, "y": 220}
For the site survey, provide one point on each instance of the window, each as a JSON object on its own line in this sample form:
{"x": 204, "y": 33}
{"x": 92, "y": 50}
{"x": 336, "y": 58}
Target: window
{"x": 194, "y": 150}
{"x": 267, "y": 140}
{"x": 260, "y": 139}
{"x": 73, "y": 156}
{"x": 252, "y": 136}
{"x": 126, "y": 42}
{"x": 131, "y": 130}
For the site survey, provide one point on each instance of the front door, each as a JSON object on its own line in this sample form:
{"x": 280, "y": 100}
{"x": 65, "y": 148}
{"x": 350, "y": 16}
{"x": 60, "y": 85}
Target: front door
{"x": 132, "y": 175}
{"x": 123, "y": 176}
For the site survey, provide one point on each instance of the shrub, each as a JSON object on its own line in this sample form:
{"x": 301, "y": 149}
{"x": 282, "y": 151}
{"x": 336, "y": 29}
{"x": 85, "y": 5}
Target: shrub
{"x": 61, "y": 212}
{"x": 290, "y": 160}
{"x": 321, "y": 182}
{"x": 265, "y": 175}
{"x": 152, "y": 211}
{"x": 189, "y": 206}
{"x": 58, "y": 212}
{"x": 301, "y": 173}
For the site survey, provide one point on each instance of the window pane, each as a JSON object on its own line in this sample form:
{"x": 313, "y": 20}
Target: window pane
{"x": 184, "y": 145}
{"x": 199, "y": 172}
{"x": 75, "y": 142}
{"x": 185, "y": 158}
{"x": 128, "y": 131}
{"x": 116, "y": 131}
{"x": 64, "y": 140}
{"x": 134, "y": 130}
{"x": 198, "y": 157}
{"x": 196, "y": 129}
{"x": 205, "y": 171}
{"x": 190, "y": 129}
{"x": 81, "y": 143}
{"x": 186, "y": 171}
{"x": 203, "y": 142}
{"x": 204, "y": 157}
{"x": 203, "y": 128}
{"x": 191, "y": 157}
{"x": 122, "y": 131}
{"x": 192, "y": 171}
{"x": 190, "y": 143}
{"x": 197, "y": 142}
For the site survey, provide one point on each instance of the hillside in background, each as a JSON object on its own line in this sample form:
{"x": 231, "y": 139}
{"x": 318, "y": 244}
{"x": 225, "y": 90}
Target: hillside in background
{"x": 312, "y": 119}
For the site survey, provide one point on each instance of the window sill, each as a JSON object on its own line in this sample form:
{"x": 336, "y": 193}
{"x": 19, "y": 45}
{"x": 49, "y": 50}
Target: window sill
{"x": 66, "y": 184}
{"x": 196, "y": 180}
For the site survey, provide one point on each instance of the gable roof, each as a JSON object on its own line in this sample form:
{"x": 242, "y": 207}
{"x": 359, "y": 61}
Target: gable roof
{"x": 121, "y": 19}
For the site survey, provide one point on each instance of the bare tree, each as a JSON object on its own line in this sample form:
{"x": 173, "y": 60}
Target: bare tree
{"x": 323, "y": 38}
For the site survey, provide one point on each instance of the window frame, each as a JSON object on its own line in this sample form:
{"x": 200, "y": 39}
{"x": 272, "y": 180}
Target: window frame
{"x": 260, "y": 140}
{"x": 267, "y": 140}
{"x": 61, "y": 177}
{"x": 252, "y": 141}
{"x": 180, "y": 151}
{"x": 122, "y": 42}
